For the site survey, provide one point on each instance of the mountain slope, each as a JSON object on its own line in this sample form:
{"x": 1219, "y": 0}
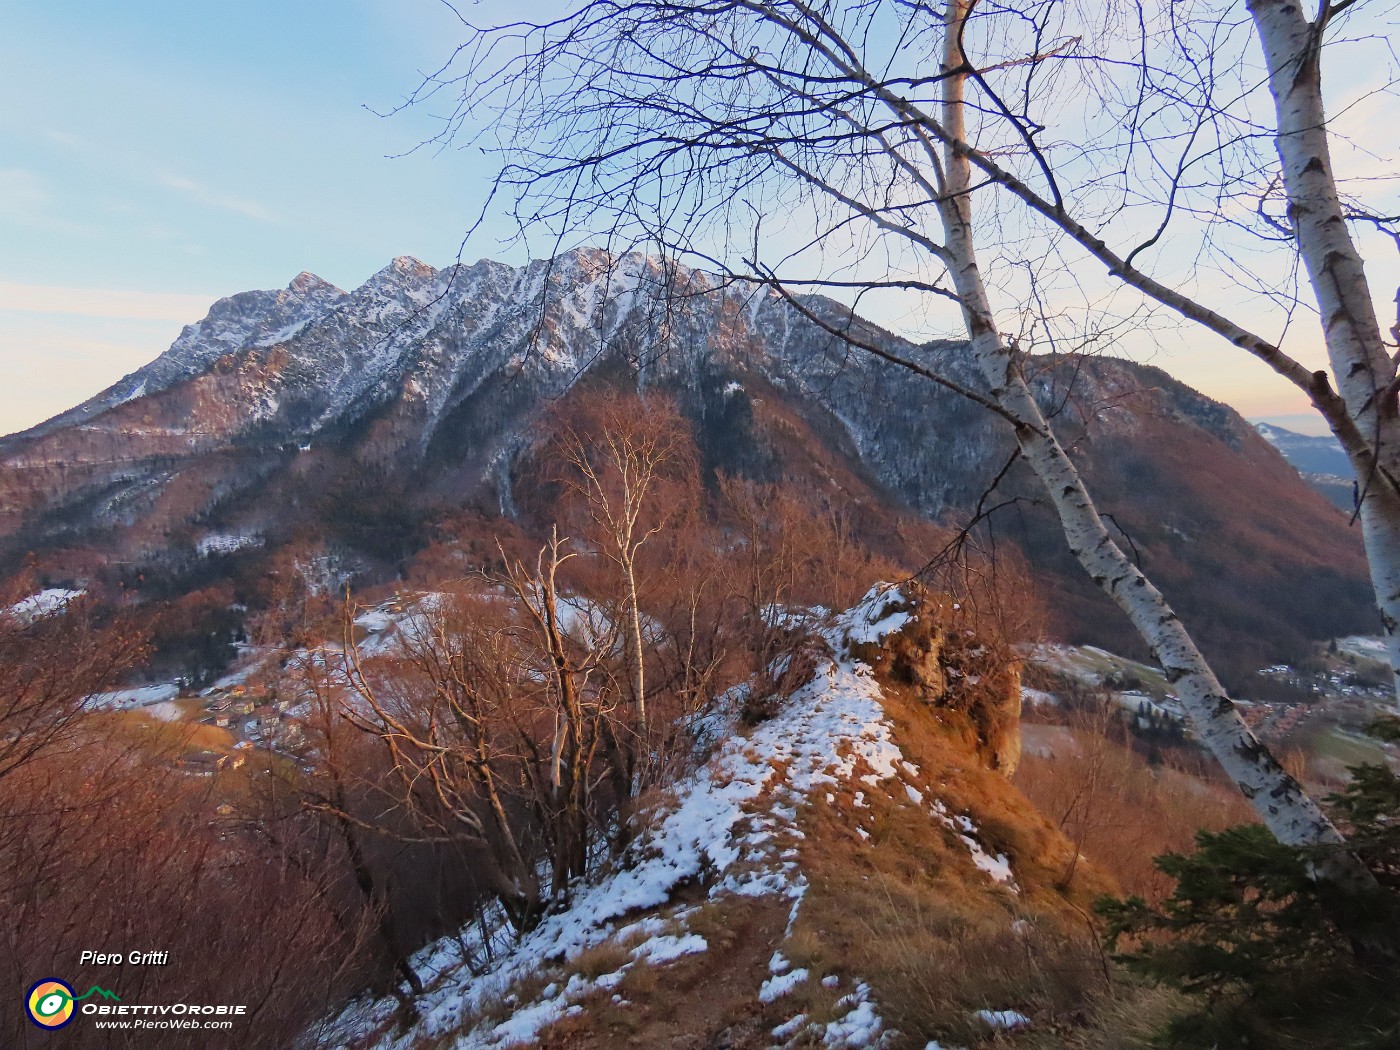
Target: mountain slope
{"x": 1320, "y": 460}
{"x": 351, "y": 415}
{"x": 1251, "y": 556}
{"x": 1309, "y": 453}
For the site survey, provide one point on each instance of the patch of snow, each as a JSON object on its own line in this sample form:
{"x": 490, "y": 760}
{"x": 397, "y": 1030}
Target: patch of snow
{"x": 860, "y": 1027}
{"x": 141, "y": 696}
{"x": 1366, "y": 647}
{"x": 48, "y": 602}
{"x": 998, "y": 867}
{"x": 1002, "y": 1019}
{"x": 874, "y": 616}
{"x": 225, "y": 543}
{"x": 667, "y": 948}
{"x": 139, "y": 390}
{"x": 788, "y": 1029}
{"x": 378, "y": 619}
{"x": 781, "y": 984}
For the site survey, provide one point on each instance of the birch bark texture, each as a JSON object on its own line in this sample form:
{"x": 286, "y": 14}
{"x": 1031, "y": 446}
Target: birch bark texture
{"x": 689, "y": 106}
{"x": 1364, "y": 370}
{"x": 1289, "y": 813}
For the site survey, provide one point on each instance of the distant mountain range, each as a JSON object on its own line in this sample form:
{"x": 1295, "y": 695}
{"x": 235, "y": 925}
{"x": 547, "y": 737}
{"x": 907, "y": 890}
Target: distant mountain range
{"x": 293, "y": 412}
{"x": 1320, "y": 460}
{"x": 1311, "y": 455}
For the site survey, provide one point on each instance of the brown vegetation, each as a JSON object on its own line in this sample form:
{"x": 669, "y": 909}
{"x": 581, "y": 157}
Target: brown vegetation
{"x": 1118, "y": 809}
{"x": 107, "y": 845}
{"x": 507, "y": 745}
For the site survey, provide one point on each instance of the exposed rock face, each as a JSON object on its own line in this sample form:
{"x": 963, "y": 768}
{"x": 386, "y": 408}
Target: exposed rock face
{"x": 941, "y": 657}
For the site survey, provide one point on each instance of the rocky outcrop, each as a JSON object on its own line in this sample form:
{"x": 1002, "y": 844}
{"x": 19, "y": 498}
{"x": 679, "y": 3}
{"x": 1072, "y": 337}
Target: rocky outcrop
{"x": 939, "y": 655}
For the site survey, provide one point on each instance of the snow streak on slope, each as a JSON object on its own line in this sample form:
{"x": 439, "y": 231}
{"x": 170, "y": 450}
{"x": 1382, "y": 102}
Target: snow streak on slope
{"x": 732, "y": 825}
{"x": 47, "y": 602}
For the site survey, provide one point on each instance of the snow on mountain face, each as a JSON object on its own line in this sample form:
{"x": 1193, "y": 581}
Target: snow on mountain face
{"x": 450, "y": 366}
{"x": 1309, "y": 454}
{"x": 310, "y": 408}
{"x": 420, "y": 371}
{"x": 248, "y": 319}
{"x": 459, "y": 360}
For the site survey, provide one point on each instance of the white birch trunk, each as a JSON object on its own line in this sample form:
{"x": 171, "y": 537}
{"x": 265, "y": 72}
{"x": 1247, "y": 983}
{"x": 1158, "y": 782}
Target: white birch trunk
{"x": 1288, "y": 812}
{"x": 638, "y": 656}
{"x": 1364, "y": 372}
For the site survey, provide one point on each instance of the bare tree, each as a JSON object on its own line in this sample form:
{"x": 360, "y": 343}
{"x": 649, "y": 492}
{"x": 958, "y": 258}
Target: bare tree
{"x": 51, "y": 666}
{"x": 627, "y": 461}
{"x": 98, "y": 818}
{"x": 503, "y": 722}
{"x": 442, "y": 707}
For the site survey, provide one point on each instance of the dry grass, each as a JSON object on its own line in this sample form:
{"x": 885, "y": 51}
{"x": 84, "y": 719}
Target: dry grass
{"x": 1130, "y": 1016}
{"x": 909, "y": 913}
{"x": 717, "y": 923}
{"x": 1121, "y": 812}
{"x": 608, "y": 957}
{"x": 640, "y": 982}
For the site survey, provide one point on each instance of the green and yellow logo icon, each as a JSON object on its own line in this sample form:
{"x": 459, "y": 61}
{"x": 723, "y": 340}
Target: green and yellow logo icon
{"x": 50, "y": 1001}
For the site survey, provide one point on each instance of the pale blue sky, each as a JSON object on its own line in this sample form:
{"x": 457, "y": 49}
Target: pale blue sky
{"x": 177, "y": 152}
{"x": 157, "y": 155}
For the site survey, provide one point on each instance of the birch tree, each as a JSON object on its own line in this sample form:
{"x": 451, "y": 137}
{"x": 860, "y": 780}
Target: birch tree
{"x": 626, "y": 461}
{"x": 1365, "y": 416}
{"x": 689, "y": 123}
{"x": 1289, "y": 813}
{"x": 1103, "y": 134}
{"x": 1358, "y": 399}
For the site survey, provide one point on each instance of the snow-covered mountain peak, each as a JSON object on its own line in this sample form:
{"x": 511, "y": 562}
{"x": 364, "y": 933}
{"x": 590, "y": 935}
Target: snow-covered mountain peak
{"x": 309, "y": 285}
{"x": 406, "y": 281}
{"x": 406, "y": 267}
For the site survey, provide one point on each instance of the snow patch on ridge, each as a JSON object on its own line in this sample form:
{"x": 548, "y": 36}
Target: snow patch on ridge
{"x": 732, "y": 823}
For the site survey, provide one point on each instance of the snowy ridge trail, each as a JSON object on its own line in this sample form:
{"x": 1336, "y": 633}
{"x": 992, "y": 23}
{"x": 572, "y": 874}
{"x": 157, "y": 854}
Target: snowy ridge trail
{"x": 731, "y": 826}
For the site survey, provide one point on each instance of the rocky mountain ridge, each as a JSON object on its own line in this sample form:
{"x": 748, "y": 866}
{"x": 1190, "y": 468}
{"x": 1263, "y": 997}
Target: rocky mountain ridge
{"x": 422, "y": 386}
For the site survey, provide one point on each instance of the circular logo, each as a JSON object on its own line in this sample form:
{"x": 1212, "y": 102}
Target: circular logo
{"x": 50, "y": 1003}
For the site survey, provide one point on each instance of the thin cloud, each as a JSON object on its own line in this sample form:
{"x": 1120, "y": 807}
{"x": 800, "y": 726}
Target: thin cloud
{"x": 25, "y": 200}
{"x": 98, "y": 302}
{"x": 212, "y": 198}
